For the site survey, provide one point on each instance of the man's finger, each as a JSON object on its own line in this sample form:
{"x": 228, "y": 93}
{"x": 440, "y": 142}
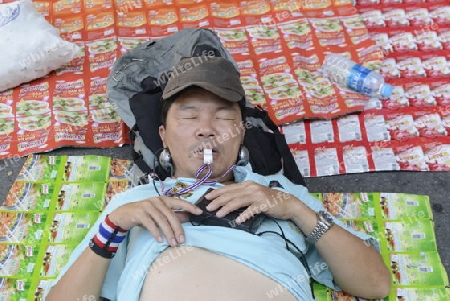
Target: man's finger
{"x": 181, "y": 204}
{"x": 183, "y": 216}
{"x": 173, "y": 225}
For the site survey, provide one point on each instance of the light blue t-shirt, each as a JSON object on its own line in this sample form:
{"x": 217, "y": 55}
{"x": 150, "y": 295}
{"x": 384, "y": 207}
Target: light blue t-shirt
{"x": 127, "y": 270}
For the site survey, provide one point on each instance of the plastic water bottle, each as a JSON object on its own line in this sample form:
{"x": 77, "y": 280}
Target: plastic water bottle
{"x": 349, "y": 74}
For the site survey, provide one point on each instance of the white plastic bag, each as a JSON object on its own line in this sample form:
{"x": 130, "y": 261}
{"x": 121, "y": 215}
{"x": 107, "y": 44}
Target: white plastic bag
{"x": 30, "y": 47}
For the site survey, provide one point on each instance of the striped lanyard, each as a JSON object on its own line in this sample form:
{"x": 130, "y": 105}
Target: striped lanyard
{"x": 203, "y": 181}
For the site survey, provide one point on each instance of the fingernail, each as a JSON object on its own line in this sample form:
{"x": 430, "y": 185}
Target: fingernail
{"x": 159, "y": 239}
{"x": 174, "y": 242}
{"x": 181, "y": 239}
{"x": 239, "y": 220}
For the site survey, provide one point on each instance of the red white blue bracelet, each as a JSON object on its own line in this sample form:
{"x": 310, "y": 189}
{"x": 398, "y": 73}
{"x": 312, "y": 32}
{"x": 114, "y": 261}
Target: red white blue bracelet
{"x": 108, "y": 239}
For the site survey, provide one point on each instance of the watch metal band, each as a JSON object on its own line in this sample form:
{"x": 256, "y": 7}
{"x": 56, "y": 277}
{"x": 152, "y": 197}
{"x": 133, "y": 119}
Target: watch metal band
{"x": 320, "y": 229}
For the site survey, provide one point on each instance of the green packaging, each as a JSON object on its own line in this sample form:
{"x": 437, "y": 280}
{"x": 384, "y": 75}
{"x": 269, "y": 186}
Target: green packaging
{"x": 71, "y": 227}
{"x": 86, "y": 168}
{"x": 422, "y": 294}
{"x": 395, "y": 206}
{"x": 18, "y": 260}
{"x": 25, "y": 196}
{"x": 55, "y": 258}
{"x": 39, "y": 168}
{"x": 417, "y": 269}
{"x": 16, "y": 289}
{"x": 410, "y": 235}
{"x": 18, "y": 227}
{"x": 81, "y": 196}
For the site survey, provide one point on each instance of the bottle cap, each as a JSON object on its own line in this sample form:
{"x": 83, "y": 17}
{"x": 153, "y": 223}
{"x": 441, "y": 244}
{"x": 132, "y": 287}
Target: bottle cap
{"x": 386, "y": 90}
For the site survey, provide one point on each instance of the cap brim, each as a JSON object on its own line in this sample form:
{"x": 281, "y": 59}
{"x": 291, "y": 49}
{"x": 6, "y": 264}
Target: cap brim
{"x": 224, "y": 93}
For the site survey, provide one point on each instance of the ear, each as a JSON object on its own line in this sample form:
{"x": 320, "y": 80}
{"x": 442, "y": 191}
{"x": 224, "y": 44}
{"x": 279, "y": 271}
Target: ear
{"x": 162, "y": 135}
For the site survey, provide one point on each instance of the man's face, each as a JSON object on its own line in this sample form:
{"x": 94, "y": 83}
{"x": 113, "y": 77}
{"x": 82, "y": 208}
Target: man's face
{"x": 199, "y": 119}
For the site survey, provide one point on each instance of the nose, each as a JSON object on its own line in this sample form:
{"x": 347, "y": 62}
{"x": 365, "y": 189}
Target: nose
{"x": 206, "y": 128}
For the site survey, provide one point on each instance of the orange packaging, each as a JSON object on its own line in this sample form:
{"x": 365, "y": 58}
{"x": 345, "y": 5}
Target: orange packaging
{"x": 188, "y": 2}
{"x": 105, "y": 128}
{"x": 102, "y": 54}
{"x": 104, "y": 122}
{"x": 369, "y": 55}
{"x": 43, "y": 7}
{"x": 315, "y": 4}
{"x": 318, "y": 90}
{"x": 102, "y": 62}
{"x": 75, "y": 66}
{"x": 70, "y": 111}
{"x": 131, "y": 24}
{"x": 329, "y": 31}
{"x": 256, "y": 12}
{"x": 342, "y": 2}
{"x": 157, "y": 3}
{"x": 33, "y": 115}
{"x": 99, "y": 25}
{"x": 264, "y": 38}
{"x": 297, "y": 34}
{"x": 7, "y": 126}
{"x": 66, "y": 7}
{"x": 105, "y": 47}
{"x": 162, "y": 21}
{"x": 97, "y": 94}
{"x": 253, "y": 88}
{"x": 194, "y": 16}
{"x": 225, "y": 15}
{"x": 307, "y": 60}
{"x": 235, "y": 40}
{"x": 355, "y": 28}
{"x": 70, "y": 27}
{"x": 128, "y": 43}
{"x": 285, "y": 100}
{"x": 284, "y": 10}
{"x": 127, "y": 6}
{"x": 97, "y": 5}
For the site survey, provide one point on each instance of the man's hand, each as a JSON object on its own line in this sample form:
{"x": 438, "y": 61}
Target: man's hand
{"x": 258, "y": 199}
{"x": 157, "y": 215}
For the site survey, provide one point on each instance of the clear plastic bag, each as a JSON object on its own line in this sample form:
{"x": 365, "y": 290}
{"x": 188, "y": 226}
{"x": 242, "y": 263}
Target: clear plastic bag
{"x": 30, "y": 47}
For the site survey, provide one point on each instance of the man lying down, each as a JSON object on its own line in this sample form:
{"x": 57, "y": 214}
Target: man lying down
{"x": 144, "y": 247}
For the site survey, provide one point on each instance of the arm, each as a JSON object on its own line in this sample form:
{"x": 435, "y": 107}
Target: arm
{"x": 84, "y": 279}
{"x": 356, "y": 267}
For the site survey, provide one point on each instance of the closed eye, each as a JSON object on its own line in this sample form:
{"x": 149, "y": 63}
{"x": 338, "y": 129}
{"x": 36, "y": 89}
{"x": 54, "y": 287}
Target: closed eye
{"x": 225, "y": 118}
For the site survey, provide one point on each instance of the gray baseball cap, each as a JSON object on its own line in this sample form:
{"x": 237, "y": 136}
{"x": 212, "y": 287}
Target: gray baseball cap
{"x": 215, "y": 74}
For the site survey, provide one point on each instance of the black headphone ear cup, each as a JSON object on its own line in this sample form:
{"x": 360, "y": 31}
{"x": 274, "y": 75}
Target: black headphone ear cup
{"x": 165, "y": 160}
{"x": 243, "y": 156}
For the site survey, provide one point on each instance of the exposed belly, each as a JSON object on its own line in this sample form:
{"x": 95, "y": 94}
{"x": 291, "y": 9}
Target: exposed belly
{"x": 189, "y": 273}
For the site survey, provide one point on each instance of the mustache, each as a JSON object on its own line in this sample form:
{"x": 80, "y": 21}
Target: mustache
{"x": 197, "y": 149}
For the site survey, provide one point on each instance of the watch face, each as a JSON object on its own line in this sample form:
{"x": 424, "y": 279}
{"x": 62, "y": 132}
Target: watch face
{"x": 327, "y": 218}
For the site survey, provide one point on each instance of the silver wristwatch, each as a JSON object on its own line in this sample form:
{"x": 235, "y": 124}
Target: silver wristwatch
{"x": 324, "y": 222}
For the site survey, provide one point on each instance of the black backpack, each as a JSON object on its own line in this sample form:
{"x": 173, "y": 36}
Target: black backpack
{"x": 135, "y": 87}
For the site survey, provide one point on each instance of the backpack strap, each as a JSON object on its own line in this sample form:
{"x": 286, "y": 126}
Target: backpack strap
{"x": 290, "y": 169}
